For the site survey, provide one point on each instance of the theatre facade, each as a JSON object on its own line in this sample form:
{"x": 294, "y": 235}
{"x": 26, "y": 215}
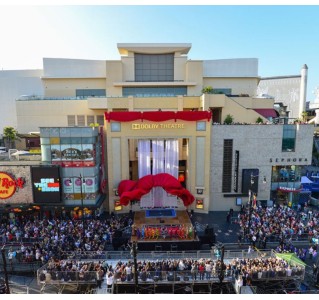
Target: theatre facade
{"x": 154, "y": 112}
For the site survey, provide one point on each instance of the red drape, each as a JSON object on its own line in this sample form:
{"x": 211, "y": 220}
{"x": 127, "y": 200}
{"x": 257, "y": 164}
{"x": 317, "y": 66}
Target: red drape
{"x": 157, "y": 116}
{"x": 130, "y": 190}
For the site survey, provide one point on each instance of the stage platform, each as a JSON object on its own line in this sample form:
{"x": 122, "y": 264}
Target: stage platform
{"x": 179, "y": 236}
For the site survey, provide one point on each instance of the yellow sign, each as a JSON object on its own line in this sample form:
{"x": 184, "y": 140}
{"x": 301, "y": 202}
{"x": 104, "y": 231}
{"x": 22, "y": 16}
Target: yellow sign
{"x": 158, "y": 126}
{"x": 35, "y": 151}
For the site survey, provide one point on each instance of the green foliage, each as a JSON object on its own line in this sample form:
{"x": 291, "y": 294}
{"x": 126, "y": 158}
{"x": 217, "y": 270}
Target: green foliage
{"x": 229, "y": 119}
{"x": 10, "y": 135}
{"x": 259, "y": 120}
{"x": 207, "y": 90}
{"x": 94, "y": 124}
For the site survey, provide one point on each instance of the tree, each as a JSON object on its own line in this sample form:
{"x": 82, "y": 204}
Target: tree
{"x": 229, "y": 119}
{"x": 207, "y": 90}
{"x": 259, "y": 120}
{"x": 304, "y": 116}
{"x": 9, "y": 135}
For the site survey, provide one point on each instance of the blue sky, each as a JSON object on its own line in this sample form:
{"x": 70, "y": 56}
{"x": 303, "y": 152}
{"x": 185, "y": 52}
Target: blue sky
{"x": 283, "y": 38}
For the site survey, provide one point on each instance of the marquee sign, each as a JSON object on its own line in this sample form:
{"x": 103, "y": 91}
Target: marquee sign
{"x": 9, "y": 185}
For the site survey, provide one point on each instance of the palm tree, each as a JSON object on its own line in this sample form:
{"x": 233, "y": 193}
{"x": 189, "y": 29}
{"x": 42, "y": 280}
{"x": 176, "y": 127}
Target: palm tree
{"x": 9, "y": 135}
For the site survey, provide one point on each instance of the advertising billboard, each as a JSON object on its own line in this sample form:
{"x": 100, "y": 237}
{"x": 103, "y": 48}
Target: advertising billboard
{"x": 46, "y": 184}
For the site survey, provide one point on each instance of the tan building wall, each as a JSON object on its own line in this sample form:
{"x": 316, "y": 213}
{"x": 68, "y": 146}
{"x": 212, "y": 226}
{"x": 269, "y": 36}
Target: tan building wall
{"x": 257, "y": 145}
{"x": 237, "y": 85}
{"x": 120, "y": 154}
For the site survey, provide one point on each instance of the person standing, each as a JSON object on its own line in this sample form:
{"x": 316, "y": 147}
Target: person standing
{"x": 109, "y": 281}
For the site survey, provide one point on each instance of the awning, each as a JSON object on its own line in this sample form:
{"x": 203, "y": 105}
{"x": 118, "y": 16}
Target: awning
{"x": 267, "y": 112}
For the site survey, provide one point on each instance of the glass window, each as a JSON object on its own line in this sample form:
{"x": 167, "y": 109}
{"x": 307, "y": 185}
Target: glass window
{"x": 115, "y": 127}
{"x": 75, "y": 140}
{"x": 100, "y": 120}
{"x": 154, "y": 67}
{"x": 65, "y": 140}
{"x": 154, "y": 91}
{"x": 84, "y": 93}
{"x": 71, "y": 120}
{"x": 288, "y": 138}
{"x": 201, "y": 126}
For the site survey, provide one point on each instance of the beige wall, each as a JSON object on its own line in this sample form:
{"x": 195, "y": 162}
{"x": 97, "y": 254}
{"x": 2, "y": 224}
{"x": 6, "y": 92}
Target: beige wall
{"x": 67, "y": 87}
{"x": 194, "y": 73}
{"x": 257, "y": 144}
{"x": 34, "y": 114}
{"x": 189, "y": 132}
{"x": 114, "y": 73}
{"x": 237, "y": 85}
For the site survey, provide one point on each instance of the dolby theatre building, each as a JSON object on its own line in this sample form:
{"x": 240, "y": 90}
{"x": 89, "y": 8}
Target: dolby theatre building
{"x": 163, "y": 142}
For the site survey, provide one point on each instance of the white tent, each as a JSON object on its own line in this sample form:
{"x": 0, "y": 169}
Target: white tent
{"x": 305, "y": 179}
{"x": 20, "y": 152}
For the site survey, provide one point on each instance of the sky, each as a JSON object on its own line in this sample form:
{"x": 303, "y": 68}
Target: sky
{"x": 282, "y": 37}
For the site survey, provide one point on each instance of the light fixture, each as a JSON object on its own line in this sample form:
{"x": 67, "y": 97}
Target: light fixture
{"x": 264, "y": 180}
{"x": 116, "y": 192}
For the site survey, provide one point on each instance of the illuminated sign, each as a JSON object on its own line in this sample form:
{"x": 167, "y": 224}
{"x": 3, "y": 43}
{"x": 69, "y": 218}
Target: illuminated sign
{"x": 9, "y": 185}
{"x": 158, "y": 126}
{"x": 46, "y": 184}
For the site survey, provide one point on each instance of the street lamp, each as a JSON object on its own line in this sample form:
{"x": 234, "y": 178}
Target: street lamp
{"x": 134, "y": 253}
{"x": 221, "y": 275}
{"x": 5, "y": 270}
{"x": 82, "y": 181}
{"x": 251, "y": 199}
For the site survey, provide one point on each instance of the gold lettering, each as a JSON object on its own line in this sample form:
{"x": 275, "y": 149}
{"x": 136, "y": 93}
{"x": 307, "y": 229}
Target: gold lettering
{"x": 157, "y": 126}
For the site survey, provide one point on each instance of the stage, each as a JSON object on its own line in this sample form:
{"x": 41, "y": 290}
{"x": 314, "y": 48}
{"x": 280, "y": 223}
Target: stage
{"x": 164, "y": 230}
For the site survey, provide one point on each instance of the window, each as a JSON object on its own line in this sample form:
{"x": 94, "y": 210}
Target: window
{"x": 89, "y": 120}
{"x": 115, "y": 126}
{"x": 154, "y": 67}
{"x": 100, "y": 120}
{"x": 81, "y": 120}
{"x": 84, "y": 93}
{"x": 201, "y": 126}
{"x": 71, "y": 120}
{"x": 227, "y": 166}
{"x": 154, "y": 91}
{"x": 288, "y": 138}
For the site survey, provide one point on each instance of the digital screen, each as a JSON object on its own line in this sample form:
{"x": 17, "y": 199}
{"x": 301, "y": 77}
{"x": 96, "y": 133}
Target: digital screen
{"x": 46, "y": 184}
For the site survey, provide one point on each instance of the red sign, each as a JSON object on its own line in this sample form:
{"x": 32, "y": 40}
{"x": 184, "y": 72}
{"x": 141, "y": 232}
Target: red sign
{"x": 8, "y": 185}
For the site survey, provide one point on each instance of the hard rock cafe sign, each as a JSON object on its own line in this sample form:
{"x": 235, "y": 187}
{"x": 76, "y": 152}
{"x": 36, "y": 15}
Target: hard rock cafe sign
{"x": 9, "y": 185}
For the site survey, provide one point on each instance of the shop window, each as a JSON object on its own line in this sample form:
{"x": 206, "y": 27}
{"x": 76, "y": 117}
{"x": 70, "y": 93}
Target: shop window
{"x": 199, "y": 203}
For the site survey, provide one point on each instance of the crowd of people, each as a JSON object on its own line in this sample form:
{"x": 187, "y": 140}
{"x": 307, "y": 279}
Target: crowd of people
{"x": 245, "y": 269}
{"x": 53, "y": 237}
{"x": 261, "y": 224}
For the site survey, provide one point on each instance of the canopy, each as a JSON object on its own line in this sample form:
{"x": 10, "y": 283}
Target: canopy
{"x": 305, "y": 179}
{"x": 291, "y": 258}
{"x": 20, "y": 152}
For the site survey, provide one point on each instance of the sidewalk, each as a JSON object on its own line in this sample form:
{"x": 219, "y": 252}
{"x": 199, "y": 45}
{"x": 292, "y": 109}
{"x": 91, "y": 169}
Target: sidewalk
{"x": 225, "y": 232}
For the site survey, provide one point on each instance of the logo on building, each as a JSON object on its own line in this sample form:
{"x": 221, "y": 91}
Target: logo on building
{"x": 9, "y": 185}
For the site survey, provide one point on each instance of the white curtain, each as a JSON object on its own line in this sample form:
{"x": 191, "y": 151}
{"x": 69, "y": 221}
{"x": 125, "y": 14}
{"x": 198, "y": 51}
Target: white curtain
{"x": 158, "y": 167}
{"x": 144, "y": 168}
{"x": 171, "y": 157}
{"x": 144, "y": 158}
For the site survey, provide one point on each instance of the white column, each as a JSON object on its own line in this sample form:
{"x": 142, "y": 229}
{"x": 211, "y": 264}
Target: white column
{"x": 303, "y": 90}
